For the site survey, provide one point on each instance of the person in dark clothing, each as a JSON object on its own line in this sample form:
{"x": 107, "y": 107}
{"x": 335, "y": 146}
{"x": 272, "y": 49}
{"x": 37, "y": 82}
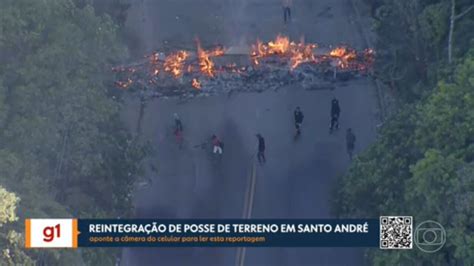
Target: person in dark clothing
{"x": 287, "y": 10}
{"x": 335, "y": 112}
{"x": 261, "y": 149}
{"x": 178, "y": 125}
{"x": 350, "y": 142}
{"x": 298, "y": 120}
{"x": 178, "y": 130}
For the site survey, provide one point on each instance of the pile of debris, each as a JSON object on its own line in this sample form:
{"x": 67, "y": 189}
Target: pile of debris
{"x": 267, "y": 66}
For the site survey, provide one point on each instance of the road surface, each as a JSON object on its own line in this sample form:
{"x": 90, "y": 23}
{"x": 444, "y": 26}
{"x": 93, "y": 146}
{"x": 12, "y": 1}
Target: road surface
{"x": 298, "y": 178}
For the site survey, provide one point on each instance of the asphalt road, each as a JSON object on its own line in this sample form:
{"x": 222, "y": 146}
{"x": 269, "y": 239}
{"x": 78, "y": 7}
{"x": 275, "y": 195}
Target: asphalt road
{"x": 298, "y": 178}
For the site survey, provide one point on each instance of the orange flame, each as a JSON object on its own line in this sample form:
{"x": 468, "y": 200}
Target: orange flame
{"x": 297, "y": 52}
{"x": 292, "y": 53}
{"x": 196, "y": 84}
{"x": 174, "y": 63}
{"x": 303, "y": 53}
{"x": 281, "y": 45}
{"x": 205, "y": 63}
{"x": 343, "y": 55}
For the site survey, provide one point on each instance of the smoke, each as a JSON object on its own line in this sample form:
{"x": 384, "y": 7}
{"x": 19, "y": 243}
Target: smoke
{"x": 238, "y": 30}
{"x": 176, "y": 23}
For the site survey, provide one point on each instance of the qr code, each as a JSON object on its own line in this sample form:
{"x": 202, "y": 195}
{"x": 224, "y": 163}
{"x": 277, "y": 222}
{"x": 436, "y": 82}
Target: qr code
{"x": 396, "y": 232}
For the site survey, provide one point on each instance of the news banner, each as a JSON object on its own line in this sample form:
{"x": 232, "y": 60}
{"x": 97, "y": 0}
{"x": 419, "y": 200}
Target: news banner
{"x": 387, "y": 232}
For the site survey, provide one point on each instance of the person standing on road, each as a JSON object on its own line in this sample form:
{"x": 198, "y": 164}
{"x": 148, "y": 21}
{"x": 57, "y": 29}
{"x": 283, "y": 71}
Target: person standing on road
{"x": 298, "y": 114}
{"x": 335, "y": 112}
{"x": 287, "y": 10}
{"x": 178, "y": 125}
{"x": 350, "y": 142}
{"x": 178, "y": 130}
{"x": 217, "y": 145}
{"x": 261, "y": 149}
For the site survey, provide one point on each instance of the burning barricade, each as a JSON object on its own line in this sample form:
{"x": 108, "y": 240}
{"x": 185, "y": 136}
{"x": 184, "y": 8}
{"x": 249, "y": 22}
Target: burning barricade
{"x": 266, "y": 66}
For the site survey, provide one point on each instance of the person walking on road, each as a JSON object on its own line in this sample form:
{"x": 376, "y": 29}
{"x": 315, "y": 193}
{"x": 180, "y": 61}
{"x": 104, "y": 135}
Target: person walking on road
{"x": 178, "y": 125}
{"x": 261, "y": 149}
{"x": 298, "y": 114}
{"x": 178, "y": 130}
{"x": 287, "y": 10}
{"x": 335, "y": 112}
{"x": 350, "y": 142}
{"x": 217, "y": 145}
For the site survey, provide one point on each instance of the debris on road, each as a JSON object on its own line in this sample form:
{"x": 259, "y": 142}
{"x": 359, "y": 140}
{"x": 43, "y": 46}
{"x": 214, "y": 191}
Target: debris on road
{"x": 267, "y": 66}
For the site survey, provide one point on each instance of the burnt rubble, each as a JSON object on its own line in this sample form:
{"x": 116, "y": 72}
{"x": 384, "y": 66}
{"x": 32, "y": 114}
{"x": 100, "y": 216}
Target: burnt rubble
{"x": 210, "y": 73}
{"x": 249, "y": 79}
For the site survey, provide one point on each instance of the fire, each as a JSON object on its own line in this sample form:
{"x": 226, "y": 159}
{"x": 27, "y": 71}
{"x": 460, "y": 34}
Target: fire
{"x": 124, "y": 84}
{"x": 154, "y": 58}
{"x": 174, "y": 63}
{"x": 365, "y": 60}
{"x": 154, "y": 63}
{"x": 297, "y": 53}
{"x": 192, "y": 67}
{"x": 343, "y": 55}
{"x": 205, "y": 64}
{"x": 302, "y": 54}
{"x": 369, "y": 56}
{"x": 280, "y": 46}
{"x": 196, "y": 84}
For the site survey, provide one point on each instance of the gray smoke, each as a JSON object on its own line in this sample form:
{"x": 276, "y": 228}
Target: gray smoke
{"x": 238, "y": 30}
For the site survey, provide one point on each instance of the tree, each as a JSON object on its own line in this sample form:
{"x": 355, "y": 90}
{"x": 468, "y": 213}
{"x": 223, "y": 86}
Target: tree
{"x": 452, "y": 21}
{"x": 380, "y": 172}
{"x": 412, "y": 36}
{"x": 422, "y": 165}
{"x": 11, "y": 241}
{"x": 63, "y": 148}
{"x": 8, "y": 205}
{"x": 447, "y": 119}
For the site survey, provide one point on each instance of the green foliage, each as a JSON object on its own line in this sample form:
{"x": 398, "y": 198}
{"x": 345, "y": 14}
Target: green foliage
{"x": 448, "y": 119}
{"x": 11, "y": 242}
{"x": 434, "y": 23}
{"x": 412, "y": 38}
{"x": 379, "y": 172}
{"x": 7, "y": 207}
{"x": 63, "y": 148}
{"x": 117, "y": 9}
{"x": 422, "y": 165}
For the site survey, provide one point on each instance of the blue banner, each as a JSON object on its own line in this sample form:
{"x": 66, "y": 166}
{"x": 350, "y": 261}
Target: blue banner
{"x": 228, "y": 233}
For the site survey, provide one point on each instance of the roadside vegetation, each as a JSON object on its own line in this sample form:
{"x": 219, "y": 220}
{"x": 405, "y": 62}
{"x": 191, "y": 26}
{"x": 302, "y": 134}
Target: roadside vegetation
{"x": 422, "y": 163}
{"x": 65, "y": 153}
{"x": 63, "y": 149}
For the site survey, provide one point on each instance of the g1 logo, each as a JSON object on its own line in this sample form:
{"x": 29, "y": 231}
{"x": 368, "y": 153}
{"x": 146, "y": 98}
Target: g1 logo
{"x": 50, "y": 231}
